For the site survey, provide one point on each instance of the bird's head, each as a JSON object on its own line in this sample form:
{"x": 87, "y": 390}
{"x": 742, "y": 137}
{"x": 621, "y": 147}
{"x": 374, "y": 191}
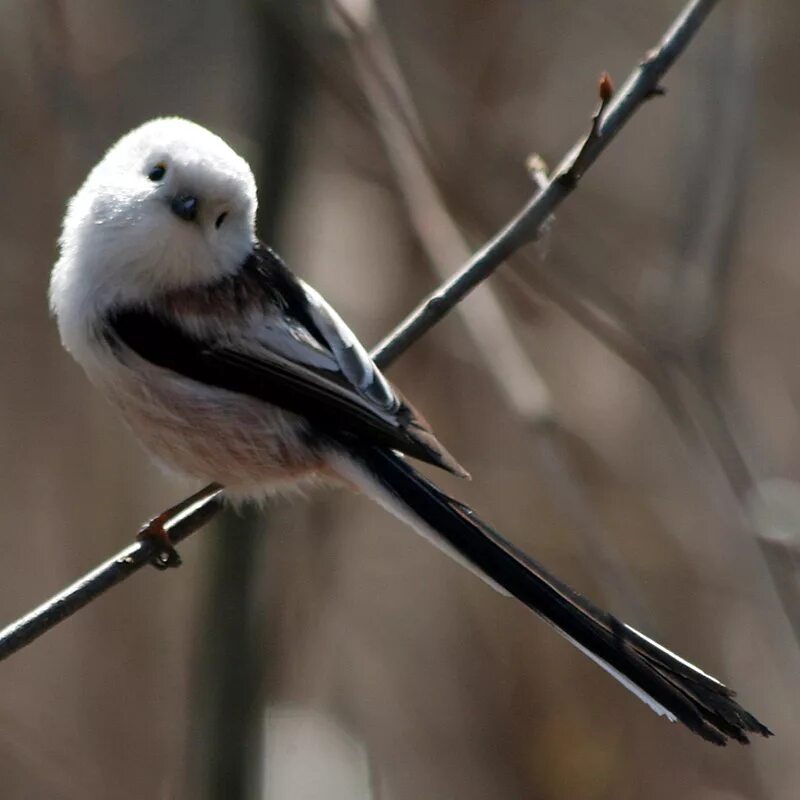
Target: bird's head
{"x": 170, "y": 205}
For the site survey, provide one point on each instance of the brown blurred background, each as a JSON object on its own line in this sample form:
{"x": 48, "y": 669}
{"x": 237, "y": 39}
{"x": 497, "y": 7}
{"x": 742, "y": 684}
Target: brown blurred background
{"x": 319, "y": 650}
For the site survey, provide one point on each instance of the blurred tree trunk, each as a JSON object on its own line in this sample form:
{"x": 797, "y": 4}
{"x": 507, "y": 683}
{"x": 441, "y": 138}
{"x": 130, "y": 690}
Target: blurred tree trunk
{"x": 232, "y": 666}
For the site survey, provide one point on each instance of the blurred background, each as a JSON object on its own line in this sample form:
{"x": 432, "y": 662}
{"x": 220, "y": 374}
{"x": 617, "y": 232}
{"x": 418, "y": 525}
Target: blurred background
{"x": 626, "y": 398}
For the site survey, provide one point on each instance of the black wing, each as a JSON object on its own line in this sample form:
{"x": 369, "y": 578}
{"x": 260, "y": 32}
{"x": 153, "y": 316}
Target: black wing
{"x": 264, "y": 333}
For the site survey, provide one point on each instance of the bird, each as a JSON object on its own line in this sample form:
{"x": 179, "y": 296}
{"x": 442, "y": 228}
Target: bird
{"x": 231, "y": 369}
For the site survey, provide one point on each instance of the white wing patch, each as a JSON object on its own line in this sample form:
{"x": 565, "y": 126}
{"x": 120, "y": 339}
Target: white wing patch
{"x": 352, "y": 358}
{"x": 672, "y": 655}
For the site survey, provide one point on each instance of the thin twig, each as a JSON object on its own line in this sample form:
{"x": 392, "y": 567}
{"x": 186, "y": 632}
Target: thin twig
{"x": 193, "y": 513}
{"x": 524, "y": 227}
{"x": 605, "y": 90}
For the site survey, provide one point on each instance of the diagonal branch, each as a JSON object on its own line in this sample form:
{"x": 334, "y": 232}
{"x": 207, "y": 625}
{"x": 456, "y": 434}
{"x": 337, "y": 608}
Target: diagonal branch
{"x": 183, "y": 520}
{"x": 641, "y": 85}
{"x": 194, "y": 512}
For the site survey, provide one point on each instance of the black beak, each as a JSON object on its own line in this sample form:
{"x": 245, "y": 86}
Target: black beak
{"x": 185, "y": 206}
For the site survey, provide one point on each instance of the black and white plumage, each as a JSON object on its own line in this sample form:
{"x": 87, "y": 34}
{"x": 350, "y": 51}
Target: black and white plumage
{"x": 231, "y": 369}
{"x": 294, "y": 353}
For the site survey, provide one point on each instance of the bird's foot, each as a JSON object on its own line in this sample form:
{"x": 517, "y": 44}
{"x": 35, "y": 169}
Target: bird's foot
{"x": 165, "y": 555}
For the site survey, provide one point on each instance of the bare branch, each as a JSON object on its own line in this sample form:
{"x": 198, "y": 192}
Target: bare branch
{"x": 182, "y": 520}
{"x": 643, "y": 82}
{"x": 194, "y": 512}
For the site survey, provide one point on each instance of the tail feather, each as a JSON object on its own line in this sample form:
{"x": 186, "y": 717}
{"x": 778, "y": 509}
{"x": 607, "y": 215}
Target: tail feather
{"x": 669, "y": 685}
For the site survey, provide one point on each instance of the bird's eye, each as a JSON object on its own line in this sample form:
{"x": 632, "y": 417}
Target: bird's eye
{"x": 157, "y": 172}
{"x": 220, "y": 219}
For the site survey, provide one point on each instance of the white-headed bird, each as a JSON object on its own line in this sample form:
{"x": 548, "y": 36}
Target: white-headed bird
{"x": 230, "y": 369}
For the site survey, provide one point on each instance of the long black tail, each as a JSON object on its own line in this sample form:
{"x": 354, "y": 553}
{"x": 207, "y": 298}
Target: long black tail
{"x": 668, "y": 684}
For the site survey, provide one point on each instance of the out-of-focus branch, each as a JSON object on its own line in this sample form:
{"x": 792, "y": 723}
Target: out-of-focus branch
{"x": 714, "y": 210}
{"x": 611, "y": 326}
{"x": 194, "y": 512}
{"x": 701, "y": 286}
{"x": 230, "y": 664}
{"x": 482, "y": 313}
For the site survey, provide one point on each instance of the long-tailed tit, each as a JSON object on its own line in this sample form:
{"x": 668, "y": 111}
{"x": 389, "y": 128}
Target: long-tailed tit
{"x": 231, "y": 369}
